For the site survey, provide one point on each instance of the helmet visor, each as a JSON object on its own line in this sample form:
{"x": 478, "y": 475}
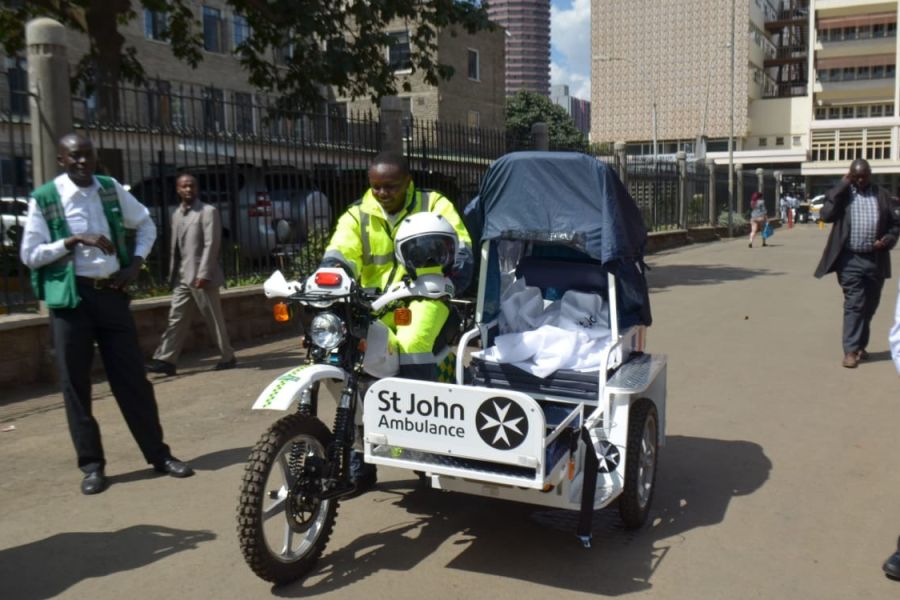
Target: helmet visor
{"x": 431, "y": 250}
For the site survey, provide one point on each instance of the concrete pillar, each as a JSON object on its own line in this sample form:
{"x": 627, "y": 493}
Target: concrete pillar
{"x": 779, "y": 194}
{"x": 621, "y": 162}
{"x": 739, "y": 188}
{"x": 391, "y": 125}
{"x": 540, "y": 134}
{"x": 50, "y": 99}
{"x": 681, "y": 160}
{"x": 711, "y": 169}
{"x": 760, "y": 180}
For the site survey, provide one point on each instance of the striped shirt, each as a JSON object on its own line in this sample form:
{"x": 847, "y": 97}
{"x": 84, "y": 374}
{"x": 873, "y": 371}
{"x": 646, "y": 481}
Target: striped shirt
{"x": 863, "y": 220}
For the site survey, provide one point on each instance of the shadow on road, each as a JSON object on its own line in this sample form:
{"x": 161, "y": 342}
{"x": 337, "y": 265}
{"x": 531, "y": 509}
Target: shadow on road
{"x": 220, "y": 459}
{"x": 697, "y": 480}
{"x": 48, "y": 567}
{"x": 669, "y": 276}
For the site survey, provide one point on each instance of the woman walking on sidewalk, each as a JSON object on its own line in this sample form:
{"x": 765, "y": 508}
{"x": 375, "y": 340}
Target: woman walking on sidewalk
{"x": 758, "y": 216}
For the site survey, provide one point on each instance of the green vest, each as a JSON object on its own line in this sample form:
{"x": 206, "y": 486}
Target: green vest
{"x": 55, "y": 283}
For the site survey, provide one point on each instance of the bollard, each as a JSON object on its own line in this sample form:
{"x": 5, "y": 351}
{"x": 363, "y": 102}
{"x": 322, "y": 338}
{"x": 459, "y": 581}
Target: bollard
{"x": 821, "y": 224}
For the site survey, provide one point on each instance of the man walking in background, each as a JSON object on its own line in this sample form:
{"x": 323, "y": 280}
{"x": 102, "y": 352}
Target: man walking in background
{"x": 197, "y": 275}
{"x": 866, "y": 227}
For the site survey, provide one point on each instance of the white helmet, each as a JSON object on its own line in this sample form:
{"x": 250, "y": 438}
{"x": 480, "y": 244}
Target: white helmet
{"x": 425, "y": 240}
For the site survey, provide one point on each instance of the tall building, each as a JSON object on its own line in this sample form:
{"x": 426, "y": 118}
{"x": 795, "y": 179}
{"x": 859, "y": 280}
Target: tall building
{"x": 527, "y": 24}
{"x": 814, "y": 83}
{"x": 577, "y": 108}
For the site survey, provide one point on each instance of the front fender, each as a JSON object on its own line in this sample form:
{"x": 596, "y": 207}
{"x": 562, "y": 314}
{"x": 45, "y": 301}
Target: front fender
{"x": 281, "y": 393}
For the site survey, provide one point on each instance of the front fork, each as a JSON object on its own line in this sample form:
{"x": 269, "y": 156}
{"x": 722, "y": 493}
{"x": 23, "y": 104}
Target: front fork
{"x": 337, "y": 471}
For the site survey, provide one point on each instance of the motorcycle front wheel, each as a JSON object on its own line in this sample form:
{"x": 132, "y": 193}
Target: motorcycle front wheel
{"x": 283, "y": 524}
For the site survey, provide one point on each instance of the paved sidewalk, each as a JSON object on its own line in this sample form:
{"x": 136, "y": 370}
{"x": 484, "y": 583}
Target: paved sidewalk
{"x": 777, "y": 481}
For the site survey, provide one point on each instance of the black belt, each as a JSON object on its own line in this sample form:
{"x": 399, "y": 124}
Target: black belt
{"x": 98, "y": 284}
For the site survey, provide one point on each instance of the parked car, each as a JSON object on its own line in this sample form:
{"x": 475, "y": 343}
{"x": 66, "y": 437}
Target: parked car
{"x": 12, "y": 220}
{"x": 264, "y": 210}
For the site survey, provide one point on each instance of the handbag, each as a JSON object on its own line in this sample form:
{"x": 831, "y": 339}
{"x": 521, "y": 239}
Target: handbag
{"x": 767, "y": 231}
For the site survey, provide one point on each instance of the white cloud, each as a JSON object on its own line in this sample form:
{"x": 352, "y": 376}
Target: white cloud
{"x": 570, "y": 34}
{"x": 579, "y": 85}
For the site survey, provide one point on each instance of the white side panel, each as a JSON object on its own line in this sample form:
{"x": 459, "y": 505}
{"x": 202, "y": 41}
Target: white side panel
{"x": 281, "y": 393}
{"x": 464, "y": 421}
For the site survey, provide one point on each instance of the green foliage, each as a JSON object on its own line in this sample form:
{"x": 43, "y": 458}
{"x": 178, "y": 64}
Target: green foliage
{"x": 527, "y": 108}
{"x": 737, "y": 219}
{"x": 338, "y": 44}
{"x": 307, "y": 260}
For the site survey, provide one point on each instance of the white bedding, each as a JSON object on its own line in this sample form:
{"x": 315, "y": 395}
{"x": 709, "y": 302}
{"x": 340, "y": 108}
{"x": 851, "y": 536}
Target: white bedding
{"x": 541, "y": 337}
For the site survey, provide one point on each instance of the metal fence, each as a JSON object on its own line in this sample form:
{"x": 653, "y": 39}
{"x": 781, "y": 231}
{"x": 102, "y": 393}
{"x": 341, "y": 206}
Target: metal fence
{"x": 278, "y": 178}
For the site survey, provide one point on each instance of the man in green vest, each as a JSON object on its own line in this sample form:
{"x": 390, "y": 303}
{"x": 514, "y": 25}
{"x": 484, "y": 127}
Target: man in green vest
{"x": 363, "y": 244}
{"x": 74, "y": 244}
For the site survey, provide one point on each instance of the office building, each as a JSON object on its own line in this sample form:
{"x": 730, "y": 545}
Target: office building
{"x": 814, "y": 83}
{"x": 577, "y": 108}
{"x": 527, "y": 25}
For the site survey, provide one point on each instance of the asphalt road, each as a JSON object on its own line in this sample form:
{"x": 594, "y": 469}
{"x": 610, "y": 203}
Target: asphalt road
{"x": 778, "y": 480}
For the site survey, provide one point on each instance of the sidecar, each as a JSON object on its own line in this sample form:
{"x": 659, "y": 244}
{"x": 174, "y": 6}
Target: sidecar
{"x": 555, "y": 400}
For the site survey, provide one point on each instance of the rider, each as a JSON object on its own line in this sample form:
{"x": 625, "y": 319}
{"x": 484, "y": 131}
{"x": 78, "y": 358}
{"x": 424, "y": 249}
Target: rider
{"x": 363, "y": 244}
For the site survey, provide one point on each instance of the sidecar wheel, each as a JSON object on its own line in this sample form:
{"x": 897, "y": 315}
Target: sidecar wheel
{"x": 283, "y": 526}
{"x": 640, "y": 464}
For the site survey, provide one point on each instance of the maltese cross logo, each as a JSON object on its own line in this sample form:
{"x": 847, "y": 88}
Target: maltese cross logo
{"x": 502, "y": 423}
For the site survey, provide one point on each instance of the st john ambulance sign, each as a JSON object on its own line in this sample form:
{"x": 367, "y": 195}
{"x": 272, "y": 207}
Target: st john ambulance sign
{"x": 462, "y": 421}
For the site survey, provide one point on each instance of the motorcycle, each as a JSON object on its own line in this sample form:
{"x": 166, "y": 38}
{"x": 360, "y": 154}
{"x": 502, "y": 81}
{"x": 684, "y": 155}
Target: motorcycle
{"x": 299, "y": 470}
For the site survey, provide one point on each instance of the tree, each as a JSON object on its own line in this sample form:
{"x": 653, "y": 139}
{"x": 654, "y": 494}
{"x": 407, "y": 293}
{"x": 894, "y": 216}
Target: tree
{"x": 527, "y": 108}
{"x": 339, "y": 43}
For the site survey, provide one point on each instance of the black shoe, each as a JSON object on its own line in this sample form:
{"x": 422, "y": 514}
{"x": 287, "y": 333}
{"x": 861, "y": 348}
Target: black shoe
{"x": 93, "y": 483}
{"x": 363, "y": 483}
{"x": 226, "y": 364}
{"x": 173, "y": 467}
{"x": 161, "y": 366}
{"x": 892, "y": 566}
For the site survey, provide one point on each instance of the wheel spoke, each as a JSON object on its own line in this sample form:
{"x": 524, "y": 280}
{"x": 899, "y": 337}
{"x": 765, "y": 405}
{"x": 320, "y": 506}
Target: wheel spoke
{"x": 288, "y": 540}
{"x": 276, "y": 506}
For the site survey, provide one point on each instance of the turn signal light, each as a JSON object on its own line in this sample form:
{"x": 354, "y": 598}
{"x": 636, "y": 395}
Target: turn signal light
{"x": 281, "y": 313}
{"x": 402, "y": 316}
{"x": 328, "y": 279}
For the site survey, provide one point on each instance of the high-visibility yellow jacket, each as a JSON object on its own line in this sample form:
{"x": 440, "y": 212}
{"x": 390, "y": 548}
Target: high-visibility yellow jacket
{"x": 363, "y": 240}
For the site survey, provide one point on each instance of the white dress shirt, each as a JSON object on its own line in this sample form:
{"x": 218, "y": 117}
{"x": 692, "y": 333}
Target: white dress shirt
{"x": 84, "y": 215}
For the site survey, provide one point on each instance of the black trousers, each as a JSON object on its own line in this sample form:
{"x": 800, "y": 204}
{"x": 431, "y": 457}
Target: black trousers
{"x": 861, "y": 280}
{"x": 103, "y": 316}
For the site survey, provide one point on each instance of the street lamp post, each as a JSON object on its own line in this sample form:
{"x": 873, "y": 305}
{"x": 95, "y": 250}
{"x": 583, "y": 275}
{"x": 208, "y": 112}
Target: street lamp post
{"x": 731, "y": 138}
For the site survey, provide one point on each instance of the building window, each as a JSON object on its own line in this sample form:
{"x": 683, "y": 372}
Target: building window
{"x": 779, "y": 141}
{"x": 473, "y": 119}
{"x": 213, "y": 109}
{"x": 243, "y": 113}
{"x": 241, "y": 30}
{"x": 821, "y": 113}
{"x": 763, "y": 142}
{"x": 398, "y": 52}
{"x": 474, "y": 65}
{"x": 213, "y": 30}
{"x": 159, "y": 111}
{"x": 17, "y": 80}
{"x": 795, "y": 141}
{"x": 156, "y": 25}
{"x": 847, "y": 112}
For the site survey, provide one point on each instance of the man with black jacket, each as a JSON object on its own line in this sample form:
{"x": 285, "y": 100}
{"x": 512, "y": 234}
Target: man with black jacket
{"x": 866, "y": 227}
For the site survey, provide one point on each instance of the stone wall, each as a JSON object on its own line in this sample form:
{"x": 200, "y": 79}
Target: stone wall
{"x": 26, "y": 353}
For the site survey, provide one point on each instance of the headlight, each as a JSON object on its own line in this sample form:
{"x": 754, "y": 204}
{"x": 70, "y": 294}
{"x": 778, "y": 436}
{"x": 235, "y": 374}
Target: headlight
{"x": 326, "y": 330}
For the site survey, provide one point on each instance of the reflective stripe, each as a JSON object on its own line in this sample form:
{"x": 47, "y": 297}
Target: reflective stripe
{"x": 381, "y": 259}
{"x": 421, "y": 358}
{"x": 424, "y": 358}
{"x": 364, "y": 235}
{"x": 426, "y": 197}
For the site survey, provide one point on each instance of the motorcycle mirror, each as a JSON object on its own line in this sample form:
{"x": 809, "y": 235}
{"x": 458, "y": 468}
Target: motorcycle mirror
{"x": 276, "y": 286}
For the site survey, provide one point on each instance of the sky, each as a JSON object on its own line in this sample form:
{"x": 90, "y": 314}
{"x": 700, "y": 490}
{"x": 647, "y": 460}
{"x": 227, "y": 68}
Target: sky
{"x": 570, "y": 46}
